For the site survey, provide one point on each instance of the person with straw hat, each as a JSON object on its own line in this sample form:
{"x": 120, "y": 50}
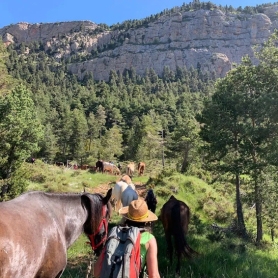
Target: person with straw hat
{"x": 138, "y": 215}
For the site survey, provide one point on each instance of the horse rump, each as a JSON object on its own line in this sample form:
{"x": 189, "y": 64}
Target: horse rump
{"x": 175, "y": 216}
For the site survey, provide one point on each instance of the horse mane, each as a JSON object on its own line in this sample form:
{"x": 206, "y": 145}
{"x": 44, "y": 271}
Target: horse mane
{"x": 93, "y": 210}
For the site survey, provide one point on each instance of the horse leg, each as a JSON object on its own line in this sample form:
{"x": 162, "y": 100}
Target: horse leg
{"x": 178, "y": 267}
{"x": 118, "y": 204}
{"x": 169, "y": 246}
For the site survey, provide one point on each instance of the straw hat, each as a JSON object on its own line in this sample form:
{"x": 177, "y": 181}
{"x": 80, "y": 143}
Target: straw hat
{"x": 138, "y": 211}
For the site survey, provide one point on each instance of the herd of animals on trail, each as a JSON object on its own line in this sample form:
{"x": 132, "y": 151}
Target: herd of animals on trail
{"x": 37, "y": 228}
{"x": 105, "y": 167}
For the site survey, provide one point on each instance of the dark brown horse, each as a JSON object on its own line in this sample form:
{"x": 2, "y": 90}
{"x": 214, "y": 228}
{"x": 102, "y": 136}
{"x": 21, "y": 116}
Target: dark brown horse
{"x": 175, "y": 216}
{"x": 37, "y": 228}
{"x": 99, "y": 166}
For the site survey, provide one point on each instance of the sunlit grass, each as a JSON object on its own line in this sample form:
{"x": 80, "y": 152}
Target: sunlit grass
{"x": 228, "y": 257}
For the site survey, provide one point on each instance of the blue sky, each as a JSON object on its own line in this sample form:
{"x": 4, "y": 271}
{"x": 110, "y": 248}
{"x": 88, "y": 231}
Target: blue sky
{"x": 98, "y": 11}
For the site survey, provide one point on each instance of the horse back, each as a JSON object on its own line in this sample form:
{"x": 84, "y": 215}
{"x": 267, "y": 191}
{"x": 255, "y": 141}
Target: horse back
{"x": 175, "y": 213}
{"x": 119, "y": 187}
{"x": 32, "y": 238}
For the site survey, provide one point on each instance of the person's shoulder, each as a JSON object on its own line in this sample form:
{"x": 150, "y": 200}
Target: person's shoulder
{"x": 146, "y": 236}
{"x": 152, "y": 240}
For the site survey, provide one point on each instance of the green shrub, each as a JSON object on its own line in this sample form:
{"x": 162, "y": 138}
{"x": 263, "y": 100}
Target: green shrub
{"x": 39, "y": 178}
{"x": 163, "y": 192}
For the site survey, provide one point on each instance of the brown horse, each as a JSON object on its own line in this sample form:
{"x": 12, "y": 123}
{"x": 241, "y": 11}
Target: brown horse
{"x": 37, "y": 228}
{"x": 110, "y": 168}
{"x": 141, "y": 168}
{"x": 130, "y": 169}
{"x": 175, "y": 216}
{"x": 126, "y": 178}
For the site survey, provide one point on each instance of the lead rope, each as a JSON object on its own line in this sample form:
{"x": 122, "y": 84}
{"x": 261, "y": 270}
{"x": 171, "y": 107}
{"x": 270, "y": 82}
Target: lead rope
{"x": 90, "y": 267}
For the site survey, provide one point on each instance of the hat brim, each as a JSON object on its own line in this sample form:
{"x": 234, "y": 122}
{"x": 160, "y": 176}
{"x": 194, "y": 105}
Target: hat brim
{"x": 151, "y": 216}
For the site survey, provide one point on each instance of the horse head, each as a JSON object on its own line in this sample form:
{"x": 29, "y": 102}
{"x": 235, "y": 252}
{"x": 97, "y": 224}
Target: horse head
{"x": 99, "y": 212}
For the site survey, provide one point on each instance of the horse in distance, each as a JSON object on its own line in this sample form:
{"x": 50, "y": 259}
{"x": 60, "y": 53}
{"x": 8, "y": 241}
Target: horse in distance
{"x": 141, "y": 168}
{"x": 130, "y": 169}
{"x": 37, "y": 228}
{"x": 99, "y": 166}
{"x": 175, "y": 216}
{"x": 110, "y": 168}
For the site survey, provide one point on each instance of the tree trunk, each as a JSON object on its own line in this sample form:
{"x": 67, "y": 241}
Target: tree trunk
{"x": 272, "y": 234}
{"x": 240, "y": 218}
{"x": 185, "y": 162}
{"x": 258, "y": 212}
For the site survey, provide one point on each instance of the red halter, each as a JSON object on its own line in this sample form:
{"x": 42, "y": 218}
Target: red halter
{"x": 95, "y": 241}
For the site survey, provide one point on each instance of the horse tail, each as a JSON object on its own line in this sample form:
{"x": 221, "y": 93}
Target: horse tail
{"x": 181, "y": 246}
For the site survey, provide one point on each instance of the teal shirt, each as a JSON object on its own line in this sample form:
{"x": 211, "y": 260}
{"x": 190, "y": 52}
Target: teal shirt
{"x": 145, "y": 237}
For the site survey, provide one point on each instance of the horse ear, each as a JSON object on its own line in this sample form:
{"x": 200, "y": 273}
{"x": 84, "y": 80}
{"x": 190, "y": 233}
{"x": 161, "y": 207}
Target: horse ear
{"x": 108, "y": 196}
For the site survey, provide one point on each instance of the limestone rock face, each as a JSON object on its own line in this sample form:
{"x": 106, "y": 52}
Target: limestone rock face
{"x": 209, "y": 39}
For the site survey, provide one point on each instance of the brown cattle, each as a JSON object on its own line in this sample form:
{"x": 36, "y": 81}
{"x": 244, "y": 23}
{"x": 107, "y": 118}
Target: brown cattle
{"x": 141, "y": 168}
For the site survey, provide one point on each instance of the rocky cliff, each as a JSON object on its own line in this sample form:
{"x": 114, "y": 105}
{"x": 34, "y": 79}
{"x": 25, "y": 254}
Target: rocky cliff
{"x": 210, "y": 39}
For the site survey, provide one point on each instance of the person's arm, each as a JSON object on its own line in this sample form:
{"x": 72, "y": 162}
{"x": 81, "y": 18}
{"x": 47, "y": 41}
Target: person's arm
{"x": 152, "y": 264}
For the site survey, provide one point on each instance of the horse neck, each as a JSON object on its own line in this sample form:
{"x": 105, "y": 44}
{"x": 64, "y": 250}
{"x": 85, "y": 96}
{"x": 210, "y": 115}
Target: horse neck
{"x": 74, "y": 216}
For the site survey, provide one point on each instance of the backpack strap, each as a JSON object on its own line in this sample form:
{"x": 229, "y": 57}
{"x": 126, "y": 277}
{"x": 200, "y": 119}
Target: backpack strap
{"x": 143, "y": 271}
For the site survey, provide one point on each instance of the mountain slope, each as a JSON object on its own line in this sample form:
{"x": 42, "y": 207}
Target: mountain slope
{"x": 208, "y": 39}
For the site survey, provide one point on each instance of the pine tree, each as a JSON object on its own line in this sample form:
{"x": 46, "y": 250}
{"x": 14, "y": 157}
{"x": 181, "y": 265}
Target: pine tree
{"x": 20, "y": 133}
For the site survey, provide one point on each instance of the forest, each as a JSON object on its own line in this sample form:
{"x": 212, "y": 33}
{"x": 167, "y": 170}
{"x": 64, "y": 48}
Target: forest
{"x": 206, "y": 127}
